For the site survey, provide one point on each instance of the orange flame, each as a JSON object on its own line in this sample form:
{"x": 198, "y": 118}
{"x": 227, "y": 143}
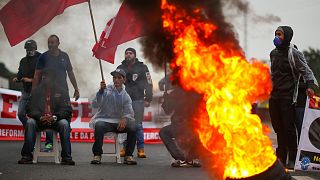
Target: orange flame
{"x": 230, "y": 85}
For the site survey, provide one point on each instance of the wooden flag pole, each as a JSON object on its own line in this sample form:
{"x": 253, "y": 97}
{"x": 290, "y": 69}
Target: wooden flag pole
{"x": 95, "y": 37}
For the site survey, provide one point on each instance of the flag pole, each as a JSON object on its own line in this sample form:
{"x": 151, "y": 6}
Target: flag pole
{"x": 95, "y": 37}
{"x": 165, "y": 76}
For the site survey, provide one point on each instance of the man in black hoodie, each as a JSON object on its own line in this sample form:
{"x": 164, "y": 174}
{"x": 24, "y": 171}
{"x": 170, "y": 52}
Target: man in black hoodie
{"x": 287, "y": 66}
{"x": 139, "y": 87}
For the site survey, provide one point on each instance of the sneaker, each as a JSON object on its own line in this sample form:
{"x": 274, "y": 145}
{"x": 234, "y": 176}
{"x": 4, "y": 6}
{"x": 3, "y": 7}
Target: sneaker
{"x": 122, "y": 152}
{"x": 179, "y": 163}
{"x": 141, "y": 153}
{"x": 67, "y": 162}
{"x": 129, "y": 160}
{"x": 48, "y": 147}
{"x": 194, "y": 163}
{"x": 25, "y": 160}
{"x": 96, "y": 160}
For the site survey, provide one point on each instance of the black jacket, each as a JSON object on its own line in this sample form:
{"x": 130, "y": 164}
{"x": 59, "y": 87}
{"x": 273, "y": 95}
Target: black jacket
{"x": 26, "y": 69}
{"x": 60, "y": 104}
{"x": 139, "y": 83}
{"x": 183, "y": 105}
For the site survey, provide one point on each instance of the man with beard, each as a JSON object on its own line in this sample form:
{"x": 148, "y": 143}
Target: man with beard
{"x": 139, "y": 87}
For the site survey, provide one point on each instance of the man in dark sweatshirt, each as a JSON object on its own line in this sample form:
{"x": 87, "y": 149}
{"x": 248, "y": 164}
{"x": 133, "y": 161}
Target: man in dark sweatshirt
{"x": 139, "y": 87}
{"x": 49, "y": 108}
{"x": 288, "y": 65}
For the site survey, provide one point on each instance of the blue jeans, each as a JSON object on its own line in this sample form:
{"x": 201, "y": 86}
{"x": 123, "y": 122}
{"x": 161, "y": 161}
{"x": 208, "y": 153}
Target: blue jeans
{"x": 62, "y": 126}
{"x": 25, "y": 97}
{"x": 23, "y": 102}
{"x": 168, "y": 135}
{"x": 138, "y": 108}
{"x": 102, "y": 127}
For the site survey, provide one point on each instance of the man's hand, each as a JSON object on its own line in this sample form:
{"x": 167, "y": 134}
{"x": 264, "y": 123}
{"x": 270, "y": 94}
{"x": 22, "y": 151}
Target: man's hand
{"x": 46, "y": 120}
{"x": 76, "y": 94}
{"x": 15, "y": 79}
{"x": 310, "y": 92}
{"x": 122, "y": 124}
{"x": 102, "y": 86}
{"x": 25, "y": 79}
{"x": 146, "y": 104}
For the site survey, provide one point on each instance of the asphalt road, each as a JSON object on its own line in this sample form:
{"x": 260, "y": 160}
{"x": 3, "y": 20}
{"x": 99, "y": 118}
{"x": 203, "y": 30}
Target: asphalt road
{"x": 155, "y": 167}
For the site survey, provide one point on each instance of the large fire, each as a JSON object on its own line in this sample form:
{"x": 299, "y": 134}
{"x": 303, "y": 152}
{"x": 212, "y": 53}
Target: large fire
{"x": 229, "y": 85}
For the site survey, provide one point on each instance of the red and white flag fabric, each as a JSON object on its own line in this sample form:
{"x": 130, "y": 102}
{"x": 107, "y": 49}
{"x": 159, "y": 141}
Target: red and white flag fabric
{"x": 124, "y": 27}
{"x": 22, "y": 18}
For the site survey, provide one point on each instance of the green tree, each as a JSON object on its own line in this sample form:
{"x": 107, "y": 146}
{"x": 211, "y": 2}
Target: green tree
{"x": 313, "y": 58}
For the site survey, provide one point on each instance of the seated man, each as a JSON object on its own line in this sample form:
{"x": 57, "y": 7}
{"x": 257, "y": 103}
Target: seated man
{"x": 49, "y": 108}
{"x": 178, "y": 137}
{"x": 115, "y": 114}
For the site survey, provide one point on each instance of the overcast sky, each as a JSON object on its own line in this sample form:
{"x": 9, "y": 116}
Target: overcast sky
{"x": 76, "y": 35}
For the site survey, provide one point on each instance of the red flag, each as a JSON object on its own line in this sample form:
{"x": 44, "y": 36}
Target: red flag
{"x": 21, "y": 18}
{"x": 122, "y": 28}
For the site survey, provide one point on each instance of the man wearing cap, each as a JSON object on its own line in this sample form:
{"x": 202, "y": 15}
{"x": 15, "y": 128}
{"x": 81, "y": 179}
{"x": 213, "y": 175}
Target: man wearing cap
{"x": 115, "y": 114}
{"x": 139, "y": 87}
{"x": 25, "y": 75}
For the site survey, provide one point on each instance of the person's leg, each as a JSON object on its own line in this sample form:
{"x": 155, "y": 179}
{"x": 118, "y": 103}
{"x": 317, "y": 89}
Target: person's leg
{"x": 63, "y": 127}
{"x": 299, "y": 119}
{"x": 167, "y": 134}
{"x": 138, "y": 108}
{"x": 289, "y": 115}
{"x": 277, "y": 124}
{"x": 100, "y": 129}
{"x": 131, "y": 142}
{"x": 29, "y": 141}
{"x": 22, "y": 108}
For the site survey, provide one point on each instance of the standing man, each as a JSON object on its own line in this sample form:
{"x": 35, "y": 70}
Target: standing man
{"x": 25, "y": 75}
{"x": 139, "y": 87}
{"x": 287, "y": 66}
{"x": 115, "y": 114}
{"x": 57, "y": 62}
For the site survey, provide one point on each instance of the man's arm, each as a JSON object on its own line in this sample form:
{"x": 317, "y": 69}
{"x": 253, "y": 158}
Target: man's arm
{"x": 73, "y": 80}
{"x": 148, "y": 86}
{"x": 36, "y": 78}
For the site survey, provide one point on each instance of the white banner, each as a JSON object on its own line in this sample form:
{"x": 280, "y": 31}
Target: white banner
{"x": 308, "y": 156}
{"x": 11, "y": 128}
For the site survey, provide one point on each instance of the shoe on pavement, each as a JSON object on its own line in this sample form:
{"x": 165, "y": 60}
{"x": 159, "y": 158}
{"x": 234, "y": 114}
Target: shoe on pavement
{"x": 194, "y": 163}
{"x": 96, "y": 160}
{"x": 26, "y": 160}
{"x": 67, "y": 162}
{"x": 48, "y": 147}
{"x": 122, "y": 152}
{"x": 141, "y": 153}
{"x": 129, "y": 160}
{"x": 179, "y": 163}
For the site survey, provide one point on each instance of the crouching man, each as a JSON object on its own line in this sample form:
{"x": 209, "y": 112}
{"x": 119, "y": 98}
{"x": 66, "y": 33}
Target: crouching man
{"x": 49, "y": 108}
{"x": 115, "y": 114}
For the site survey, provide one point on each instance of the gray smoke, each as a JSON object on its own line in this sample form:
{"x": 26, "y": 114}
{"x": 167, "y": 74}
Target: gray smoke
{"x": 75, "y": 31}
